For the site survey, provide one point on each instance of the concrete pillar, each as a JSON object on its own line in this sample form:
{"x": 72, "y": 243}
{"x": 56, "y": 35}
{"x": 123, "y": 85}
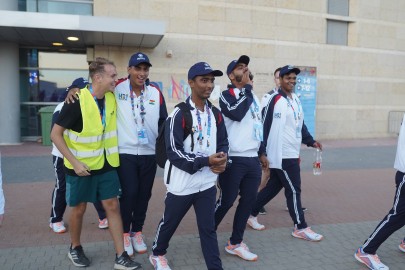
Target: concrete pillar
{"x": 9, "y": 94}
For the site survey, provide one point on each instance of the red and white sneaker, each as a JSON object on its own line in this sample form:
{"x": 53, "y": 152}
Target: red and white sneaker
{"x": 138, "y": 242}
{"x": 402, "y": 246}
{"x": 254, "y": 224}
{"x": 241, "y": 250}
{"x": 159, "y": 262}
{"x": 371, "y": 261}
{"x": 307, "y": 234}
{"x": 103, "y": 223}
{"x": 58, "y": 227}
{"x": 128, "y": 245}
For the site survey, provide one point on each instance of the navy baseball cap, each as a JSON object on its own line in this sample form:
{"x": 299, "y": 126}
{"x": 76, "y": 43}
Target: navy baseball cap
{"x": 78, "y": 83}
{"x": 244, "y": 59}
{"x": 139, "y": 58}
{"x": 202, "y": 68}
{"x": 289, "y": 69}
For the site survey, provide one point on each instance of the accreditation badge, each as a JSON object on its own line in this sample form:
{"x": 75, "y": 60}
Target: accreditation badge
{"x": 142, "y": 136}
{"x": 258, "y": 131}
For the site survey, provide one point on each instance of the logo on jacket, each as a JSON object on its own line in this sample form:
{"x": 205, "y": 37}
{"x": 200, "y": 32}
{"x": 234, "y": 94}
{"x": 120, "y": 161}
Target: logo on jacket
{"x": 122, "y": 96}
{"x": 277, "y": 115}
{"x": 152, "y": 102}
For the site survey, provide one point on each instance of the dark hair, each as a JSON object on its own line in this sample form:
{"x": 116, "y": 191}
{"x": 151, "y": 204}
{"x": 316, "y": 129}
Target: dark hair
{"x": 277, "y": 69}
{"x": 97, "y": 66}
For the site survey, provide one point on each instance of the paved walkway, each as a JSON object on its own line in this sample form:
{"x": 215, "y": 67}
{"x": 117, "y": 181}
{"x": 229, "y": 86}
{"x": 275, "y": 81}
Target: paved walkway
{"x": 345, "y": 204}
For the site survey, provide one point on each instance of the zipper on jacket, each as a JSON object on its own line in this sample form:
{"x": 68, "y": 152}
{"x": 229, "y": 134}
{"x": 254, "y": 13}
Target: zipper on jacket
{"x": 169, "y": 174}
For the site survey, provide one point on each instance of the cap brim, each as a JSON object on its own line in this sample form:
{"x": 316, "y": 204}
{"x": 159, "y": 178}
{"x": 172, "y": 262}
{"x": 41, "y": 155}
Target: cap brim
{"x": 244, "y": 59}
{"x": 147, "y": 63}
{"x": 217, "y": 73}
{"x": 296, "y": 71}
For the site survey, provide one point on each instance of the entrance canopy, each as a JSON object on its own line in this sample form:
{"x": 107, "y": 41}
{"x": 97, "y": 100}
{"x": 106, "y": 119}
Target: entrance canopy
{"x": 44, "y": 29}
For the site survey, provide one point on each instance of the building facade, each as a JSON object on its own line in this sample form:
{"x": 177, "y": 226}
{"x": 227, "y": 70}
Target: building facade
{"x": 356, "y": 46}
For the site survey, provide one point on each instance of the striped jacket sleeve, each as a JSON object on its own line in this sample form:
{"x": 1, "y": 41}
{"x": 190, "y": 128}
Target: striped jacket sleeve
{"x": 174, "y": 140}
{"x": 307, "y": 138}
{"x": 236, "y": 108}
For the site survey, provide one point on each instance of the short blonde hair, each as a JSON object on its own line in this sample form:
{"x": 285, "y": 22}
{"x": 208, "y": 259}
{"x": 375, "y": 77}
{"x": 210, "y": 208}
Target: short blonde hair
{"x": 97, "y": 66}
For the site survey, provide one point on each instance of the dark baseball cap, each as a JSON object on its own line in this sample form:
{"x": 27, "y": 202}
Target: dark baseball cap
{"x": 139, "y": 58}
{"x": 78, "y": 83}
{"x": 289, "y": 69}
{"x": 202, "y": 68}
{"x": 244, "y": 59}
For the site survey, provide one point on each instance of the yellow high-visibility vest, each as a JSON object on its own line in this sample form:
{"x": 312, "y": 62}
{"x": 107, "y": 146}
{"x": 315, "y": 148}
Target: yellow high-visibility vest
{"x": 89, "y": 145}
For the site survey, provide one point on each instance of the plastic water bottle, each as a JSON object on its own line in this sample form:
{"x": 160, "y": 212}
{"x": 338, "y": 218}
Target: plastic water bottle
{"x": 317, "y": 165}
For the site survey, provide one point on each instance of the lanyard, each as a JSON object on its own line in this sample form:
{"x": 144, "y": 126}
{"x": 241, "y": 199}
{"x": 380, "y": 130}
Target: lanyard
{"x": 299, "y": 110}
{"x": 200, "y": 130}
{"x": 101, "y": 109}
{"x": 141, "y": 103}
{"x": 255, "y": 112}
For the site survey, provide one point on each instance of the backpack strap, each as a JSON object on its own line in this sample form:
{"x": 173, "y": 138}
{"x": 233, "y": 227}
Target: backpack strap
{"x": 188, "y": 121}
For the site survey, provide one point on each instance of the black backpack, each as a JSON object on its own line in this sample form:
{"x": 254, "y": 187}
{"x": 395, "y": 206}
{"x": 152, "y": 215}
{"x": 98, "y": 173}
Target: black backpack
{"x": 160, "y": 147}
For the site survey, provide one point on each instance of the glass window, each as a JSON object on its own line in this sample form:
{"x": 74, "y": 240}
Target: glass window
{"x": 337, "y": 32}
{"x": 76, "y": 7}
{"x": 338, "y": 7}
{"x": 44, "y": 77}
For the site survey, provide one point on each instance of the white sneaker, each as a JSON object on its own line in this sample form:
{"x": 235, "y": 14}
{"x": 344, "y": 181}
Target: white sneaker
{"x": 252, "y": 222}
{"x": 371, "y": 261}
{"x": 306, "y": 234}
{"x": 103, "y": 223}
{"x": 402, "y": 246}
{"x": 241, "y": 250}
{"x": 58, "y": 227}
{"x": 128, "y": 245}
{"x": 138, "y": 242}
{"x": 159, "y": 262}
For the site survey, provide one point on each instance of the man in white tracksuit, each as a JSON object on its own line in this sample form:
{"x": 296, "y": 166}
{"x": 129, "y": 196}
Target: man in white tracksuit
{"x": 191, "y": 170}
{"x": 284, "y": 131}
{"x": 394, "y": 220}
{"x": 243, "y": 121}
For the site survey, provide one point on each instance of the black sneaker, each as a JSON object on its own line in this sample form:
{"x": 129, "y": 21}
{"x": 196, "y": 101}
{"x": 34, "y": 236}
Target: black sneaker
{"x": 262, "y": 211}
{"x": 124, "y": 262}
{"x": 76, "y": 255}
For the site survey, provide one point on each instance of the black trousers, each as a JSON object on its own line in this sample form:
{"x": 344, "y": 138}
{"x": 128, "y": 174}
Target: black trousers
{"x": 176, "y": 208}
{"x": 289, "y": 178}
{"x": 393, "y": 221}
{"x": 136, "y": 174}
{"x": 243, "y": 178}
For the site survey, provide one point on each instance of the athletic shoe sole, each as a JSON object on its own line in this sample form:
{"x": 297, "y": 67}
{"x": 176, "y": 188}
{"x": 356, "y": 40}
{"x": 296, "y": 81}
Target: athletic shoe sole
{"x": 361, "y": 261}
{"x": 256, "y": 229}
{"x": 141, "y": 251}
{"x": 401, "y": 248}
{"x": 60, "y": 232}
{"x": 304, "y": 238}
{"x": 121, "y": 267}
{"x": 240, "y": 256}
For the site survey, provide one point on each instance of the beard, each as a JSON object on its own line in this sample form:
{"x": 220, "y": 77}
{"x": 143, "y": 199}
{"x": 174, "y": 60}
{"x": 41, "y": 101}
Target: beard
{"x": 238, "y": 78}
